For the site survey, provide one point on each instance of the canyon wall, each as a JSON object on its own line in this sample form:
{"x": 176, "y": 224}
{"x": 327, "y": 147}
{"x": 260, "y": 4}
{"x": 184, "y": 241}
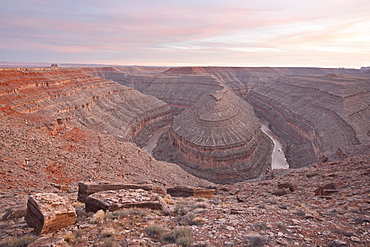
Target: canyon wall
{"x": 86, "y": 101}
{"x": 318, "y": 113}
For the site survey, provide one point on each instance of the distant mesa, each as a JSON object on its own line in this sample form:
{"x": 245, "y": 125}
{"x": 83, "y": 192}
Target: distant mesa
{"x": 219, "y": 139}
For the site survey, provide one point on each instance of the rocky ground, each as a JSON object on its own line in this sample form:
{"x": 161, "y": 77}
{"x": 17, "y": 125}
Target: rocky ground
{"x": 324, "y": 205}
{"x": 35, "y": 156}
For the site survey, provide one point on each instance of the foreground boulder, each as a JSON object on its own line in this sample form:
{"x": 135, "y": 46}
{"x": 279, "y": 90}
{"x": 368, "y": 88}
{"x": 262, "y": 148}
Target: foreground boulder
{"x": 113, "y": 200}
{"x": 184, "y": 191}
{"x": 48, "y": 212}
{"x": 87, "y": 188}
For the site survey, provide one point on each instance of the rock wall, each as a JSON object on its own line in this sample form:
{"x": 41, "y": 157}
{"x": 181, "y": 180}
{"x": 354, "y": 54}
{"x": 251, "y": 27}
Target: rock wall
{"x": 315, "y": 111}
{"x": 89, "y": 102}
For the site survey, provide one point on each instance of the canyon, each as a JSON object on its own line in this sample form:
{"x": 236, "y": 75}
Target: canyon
{"x": 319, "y": 114}
{"x": 213, "y": 114}
{"x": 194, "y": 129}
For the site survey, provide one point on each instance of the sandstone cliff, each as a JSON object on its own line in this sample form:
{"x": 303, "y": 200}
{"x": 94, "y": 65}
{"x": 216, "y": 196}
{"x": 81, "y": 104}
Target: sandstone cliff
{"x": 318, "y": 113}
{"x": 86, "y": 101}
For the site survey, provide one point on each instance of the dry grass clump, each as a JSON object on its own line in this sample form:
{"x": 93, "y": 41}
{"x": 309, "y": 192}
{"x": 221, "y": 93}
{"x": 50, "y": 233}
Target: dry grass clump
{"x": 191, "y": 219}
{"x": 108, "y": 232}
{"x": 181, "y": 208}
{"x": 98, "y": 217}
{"x": 109, "y": 242}
{"x": 154, "y": 230}
{"x": 180, "y": 236}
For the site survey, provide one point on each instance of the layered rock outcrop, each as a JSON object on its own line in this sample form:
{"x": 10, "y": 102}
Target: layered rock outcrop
{"x": 219, "y": 139}
{"x": 88, "y": 102}
{"x": 318, "y": 113}
{"x": 48, "y": 212}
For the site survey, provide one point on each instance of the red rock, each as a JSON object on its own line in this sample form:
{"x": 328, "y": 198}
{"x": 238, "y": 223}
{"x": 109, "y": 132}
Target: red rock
{"x": 87, "y": 188}
{"x": 48, "y": 212}
{"x": 113, "y": 200}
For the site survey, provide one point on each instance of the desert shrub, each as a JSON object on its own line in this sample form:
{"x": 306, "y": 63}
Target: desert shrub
{"x": 109, "y": 232}
{"x": 109, "y": 242}
{"x": 154, "y": 230}
{"x": 176, "y": 234}
{"x": 191, "y": 219}
{"x": 121, "y": 213}
{"x": 18, "y": 242}
{"x": 181, "y": 208}
{"x": 137, "y": 211}
{"x": 69, "y": 237}
{"x": 98, "y": 217}
{"x": 108, "y": 216}
{"x": 184, "y": 241}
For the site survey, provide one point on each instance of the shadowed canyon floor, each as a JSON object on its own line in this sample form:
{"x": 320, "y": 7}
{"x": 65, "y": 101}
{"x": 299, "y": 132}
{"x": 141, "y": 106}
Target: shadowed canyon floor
{"x": 61, "y": 126}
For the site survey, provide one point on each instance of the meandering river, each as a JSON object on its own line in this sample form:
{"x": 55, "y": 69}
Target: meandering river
{"x": 152, "y": 142}
{"x": 278, "y": 156}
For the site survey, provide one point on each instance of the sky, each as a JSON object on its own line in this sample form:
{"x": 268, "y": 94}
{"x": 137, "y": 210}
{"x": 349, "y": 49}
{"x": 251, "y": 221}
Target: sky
{"x": 299, "y": 33}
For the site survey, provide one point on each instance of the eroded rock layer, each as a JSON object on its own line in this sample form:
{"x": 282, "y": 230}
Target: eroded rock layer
{"x": 318, "y": 113}
{"x": 219, "y": 139}
{"x": 90, "y": 102}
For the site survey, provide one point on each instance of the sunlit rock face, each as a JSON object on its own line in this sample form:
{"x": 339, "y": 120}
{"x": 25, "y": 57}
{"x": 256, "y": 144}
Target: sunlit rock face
{"x": 57, "y": 96}
{"x": 219, "y": 139}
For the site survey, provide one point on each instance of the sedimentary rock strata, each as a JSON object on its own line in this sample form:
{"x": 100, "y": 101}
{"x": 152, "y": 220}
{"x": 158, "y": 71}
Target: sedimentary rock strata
{"x": 113, "y": 200}
{"x": 219, "y": 138}
{"x": 87, "y": 188}
{"x": 318, "y": 113}
{"x": 48, "y": 212}
{"x": 86, "y": 101}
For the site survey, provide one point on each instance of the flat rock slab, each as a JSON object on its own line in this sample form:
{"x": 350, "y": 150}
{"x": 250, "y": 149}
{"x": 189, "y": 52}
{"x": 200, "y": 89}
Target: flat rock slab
{"x": 87, "y": 188}
{"x": 113, "y": 200}
{"x": 48, "y": 212}
{"x": 184, "y": 191}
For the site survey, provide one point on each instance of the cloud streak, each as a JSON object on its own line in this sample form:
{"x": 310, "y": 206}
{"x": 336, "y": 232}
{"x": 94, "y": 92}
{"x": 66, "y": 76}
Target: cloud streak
{"x": 162, "y": 32}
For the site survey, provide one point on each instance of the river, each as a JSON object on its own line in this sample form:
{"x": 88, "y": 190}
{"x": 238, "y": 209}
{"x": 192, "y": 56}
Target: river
{"x": 277, "y": 156}
{"x": 152, "y": 142}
